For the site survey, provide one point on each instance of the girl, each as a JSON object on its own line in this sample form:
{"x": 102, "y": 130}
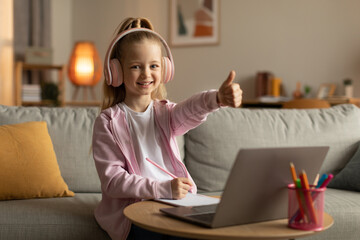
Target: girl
{"x": 137, "y": 127}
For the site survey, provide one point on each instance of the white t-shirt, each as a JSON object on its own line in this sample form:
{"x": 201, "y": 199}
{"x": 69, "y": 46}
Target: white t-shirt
{"x": 147, "y": 143}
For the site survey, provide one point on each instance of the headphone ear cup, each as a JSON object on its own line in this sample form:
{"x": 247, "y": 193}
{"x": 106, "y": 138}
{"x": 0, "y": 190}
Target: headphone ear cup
{"x": 168, "y": 70}
{"x": 116, "y": 73}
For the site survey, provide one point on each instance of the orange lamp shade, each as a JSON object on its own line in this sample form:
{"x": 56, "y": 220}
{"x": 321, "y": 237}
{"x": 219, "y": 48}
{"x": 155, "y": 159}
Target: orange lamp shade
{"x": 84, "y": 66}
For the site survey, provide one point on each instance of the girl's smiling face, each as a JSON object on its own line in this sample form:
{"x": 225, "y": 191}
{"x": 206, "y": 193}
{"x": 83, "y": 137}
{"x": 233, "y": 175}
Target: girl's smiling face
{"x": 141, "y": 65}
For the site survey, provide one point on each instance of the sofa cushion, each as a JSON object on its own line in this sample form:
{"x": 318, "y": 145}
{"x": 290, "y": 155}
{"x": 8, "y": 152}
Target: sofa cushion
{"x": 349, "y": 177}
{"x": 211, "y": 148}
{"x": 344, "y": 207}
{"x": 28, "y": 163}
{"x": 51, "y": 218}
{"x": 70, "y": 129}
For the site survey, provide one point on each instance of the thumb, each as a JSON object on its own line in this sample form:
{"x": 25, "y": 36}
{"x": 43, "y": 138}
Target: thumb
{"x": 230, "y": 78}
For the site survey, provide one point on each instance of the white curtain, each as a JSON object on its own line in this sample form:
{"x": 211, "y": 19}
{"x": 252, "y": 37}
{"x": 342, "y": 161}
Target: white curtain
{"x": 31, "y": 29}
{"x": 6, "y": 52}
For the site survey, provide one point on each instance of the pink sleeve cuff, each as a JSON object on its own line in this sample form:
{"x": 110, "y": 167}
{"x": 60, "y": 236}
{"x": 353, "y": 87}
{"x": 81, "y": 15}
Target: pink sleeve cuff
{"x": 214, "y": 100}
{"x": 164, "y": 190}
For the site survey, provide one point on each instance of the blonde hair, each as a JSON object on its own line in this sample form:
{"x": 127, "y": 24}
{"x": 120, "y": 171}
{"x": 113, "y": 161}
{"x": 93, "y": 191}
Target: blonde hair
{"x": 115, "y": 95}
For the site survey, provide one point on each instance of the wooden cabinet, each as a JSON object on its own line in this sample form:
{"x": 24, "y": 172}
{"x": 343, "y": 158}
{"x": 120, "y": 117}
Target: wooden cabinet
{"x": 19, "y": 71}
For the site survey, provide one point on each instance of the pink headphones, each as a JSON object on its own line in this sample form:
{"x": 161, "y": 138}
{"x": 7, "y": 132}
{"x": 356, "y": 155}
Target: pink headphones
{"x": 112, "y": 67}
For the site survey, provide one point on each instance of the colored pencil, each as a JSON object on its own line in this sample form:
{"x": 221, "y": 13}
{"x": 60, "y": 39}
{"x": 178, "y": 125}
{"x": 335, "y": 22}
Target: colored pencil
{"x": 308, "y": 198}
{"x": 294, "y": 177}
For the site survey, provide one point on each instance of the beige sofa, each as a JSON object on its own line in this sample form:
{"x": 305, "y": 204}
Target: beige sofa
{"x": 208, "y": 151}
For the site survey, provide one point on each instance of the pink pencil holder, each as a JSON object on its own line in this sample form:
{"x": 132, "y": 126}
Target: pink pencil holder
{"x": 306, "y": 208}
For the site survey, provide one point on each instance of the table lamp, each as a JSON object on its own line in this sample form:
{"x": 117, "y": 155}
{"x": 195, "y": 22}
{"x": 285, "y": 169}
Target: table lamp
{"x": 84, "y": 68}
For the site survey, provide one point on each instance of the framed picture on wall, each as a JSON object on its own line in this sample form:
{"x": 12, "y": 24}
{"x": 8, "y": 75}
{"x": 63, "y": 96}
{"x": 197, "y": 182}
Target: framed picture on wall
{"x": 326, "y": 90}
{"x": 194, "y": 22}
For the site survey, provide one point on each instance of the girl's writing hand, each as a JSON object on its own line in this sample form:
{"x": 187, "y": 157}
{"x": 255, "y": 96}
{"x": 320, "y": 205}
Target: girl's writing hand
{"x": 229, "y": 93}
{"x": 180, "y": 187}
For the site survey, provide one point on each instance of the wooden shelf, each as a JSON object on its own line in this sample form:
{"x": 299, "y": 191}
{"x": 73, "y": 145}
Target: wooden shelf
{"x": 20, "y": 67}
{"x": 82, "y": 104}
{"x": 343, "y": 100}
{"x": 37, "y": 103}
{"x": 255, "y": 103}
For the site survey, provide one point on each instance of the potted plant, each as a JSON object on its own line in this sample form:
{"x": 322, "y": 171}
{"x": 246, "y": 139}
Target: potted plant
{"x": 50, "y": 92}
{"x": 348, "y": 88}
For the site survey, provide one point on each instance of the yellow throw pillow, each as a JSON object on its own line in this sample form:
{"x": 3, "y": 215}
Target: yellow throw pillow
{"x": 28, "y": 165}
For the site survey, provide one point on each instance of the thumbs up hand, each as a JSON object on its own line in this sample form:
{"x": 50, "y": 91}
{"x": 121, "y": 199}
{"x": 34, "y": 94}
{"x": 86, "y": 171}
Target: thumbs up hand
{"x": 229, "y": 93}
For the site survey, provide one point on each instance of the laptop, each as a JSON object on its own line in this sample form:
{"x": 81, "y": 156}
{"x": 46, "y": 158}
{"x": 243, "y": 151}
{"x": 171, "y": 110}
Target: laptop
{"x": 256, "y": 188}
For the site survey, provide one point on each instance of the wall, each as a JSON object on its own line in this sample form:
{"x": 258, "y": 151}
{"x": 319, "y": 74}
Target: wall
{"x": 61, "y": 36}
{"x": 308, "y": 41}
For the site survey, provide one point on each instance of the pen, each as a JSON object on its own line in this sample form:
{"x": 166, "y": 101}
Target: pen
{"x": 162, "y": 169}
{"x": 327, "y": 180}
{"x": 321, "y": 180}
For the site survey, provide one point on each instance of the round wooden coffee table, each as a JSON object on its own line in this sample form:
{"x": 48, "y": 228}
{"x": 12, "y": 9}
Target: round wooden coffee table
{"x": 146, "y": 214}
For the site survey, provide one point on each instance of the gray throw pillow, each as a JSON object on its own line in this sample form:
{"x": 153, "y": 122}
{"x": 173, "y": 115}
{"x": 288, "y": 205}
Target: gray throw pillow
{"x": 349, "y": 177}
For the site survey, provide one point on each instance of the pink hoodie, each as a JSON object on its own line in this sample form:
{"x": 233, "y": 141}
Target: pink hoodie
{"x": 118, "y": 170}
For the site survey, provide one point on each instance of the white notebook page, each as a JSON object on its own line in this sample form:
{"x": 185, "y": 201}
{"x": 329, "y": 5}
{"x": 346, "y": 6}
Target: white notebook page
{"x": 191, "y": 200}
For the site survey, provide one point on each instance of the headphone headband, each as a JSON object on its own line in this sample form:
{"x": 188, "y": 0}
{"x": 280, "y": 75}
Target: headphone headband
{"x": 107, "y": 69}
